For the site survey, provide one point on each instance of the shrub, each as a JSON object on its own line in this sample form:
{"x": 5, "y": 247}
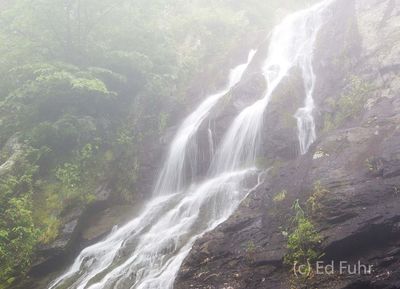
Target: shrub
{"x": 18, "y": 234}
{"x": 303, "y": 242}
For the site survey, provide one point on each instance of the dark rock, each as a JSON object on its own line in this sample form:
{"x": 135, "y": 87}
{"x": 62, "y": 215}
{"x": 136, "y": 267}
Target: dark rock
{"x": 357, "y": 162}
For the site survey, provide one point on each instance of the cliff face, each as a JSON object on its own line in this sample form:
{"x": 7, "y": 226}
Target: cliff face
{"x": 352, "y": 171}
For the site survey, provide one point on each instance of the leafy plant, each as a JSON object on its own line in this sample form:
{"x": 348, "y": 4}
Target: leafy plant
{"x": 75, "y": 176}
{"x": 18, "y": 234}
{"x": 303, "y": 241}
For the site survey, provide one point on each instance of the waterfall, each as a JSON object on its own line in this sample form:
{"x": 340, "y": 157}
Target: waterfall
{"x": 210, "y": 141}
{"x": 304, "y": 115}
{"x": 147, "y": 252}
{"x": 182, "y": 156}
{"x": 291, "y": 45}
{"x": 169, "y": 205}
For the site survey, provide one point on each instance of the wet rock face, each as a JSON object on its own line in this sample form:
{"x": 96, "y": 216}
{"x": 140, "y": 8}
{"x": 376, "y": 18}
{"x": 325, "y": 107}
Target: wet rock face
{"x": 53, "y": 256}
{"x": 356, "y": 159}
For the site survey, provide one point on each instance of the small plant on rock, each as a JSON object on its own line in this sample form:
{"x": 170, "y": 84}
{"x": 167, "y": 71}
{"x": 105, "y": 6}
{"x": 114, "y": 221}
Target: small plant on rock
{"x": 303, "y": 242}
{"x": 250, "y": 250}
{"x": 349, "y": 105}
{"x": 314, "y": 201}
{"x": 279, "y": 197}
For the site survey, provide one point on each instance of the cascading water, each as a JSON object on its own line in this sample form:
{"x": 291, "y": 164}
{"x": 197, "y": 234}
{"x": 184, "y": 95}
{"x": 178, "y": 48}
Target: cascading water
{"x": 148, "y": 251}
{"x": 210, "y": 141}
{"x": 183, "y": 150}
{"x": 291, "y": 44}
{"x": 304, "y": 115}
{"x": 151, "y": 254}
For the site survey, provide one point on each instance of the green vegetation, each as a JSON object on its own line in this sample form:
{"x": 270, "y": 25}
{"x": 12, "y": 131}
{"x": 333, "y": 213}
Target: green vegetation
{"x": 250, "y": 251}
{"x": 251, "y": 247}
{"x": 86, "y": 86}
{"x": 349, "y": 104}
{"x": 279, "y": 197}
{"x": 280, "y": 201}
{"x": 314, "y": 201}
{"x": 18, "y": 234}
{"x": 303, "y": 241}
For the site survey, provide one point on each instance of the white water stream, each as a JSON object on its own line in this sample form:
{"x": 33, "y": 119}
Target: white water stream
{"x": 182, "y": 157}
{"x": 147, "y": 252}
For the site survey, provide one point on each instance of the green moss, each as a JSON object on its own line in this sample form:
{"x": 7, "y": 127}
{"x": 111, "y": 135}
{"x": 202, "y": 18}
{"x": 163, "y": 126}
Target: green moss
{"x": 279, "y": 197}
